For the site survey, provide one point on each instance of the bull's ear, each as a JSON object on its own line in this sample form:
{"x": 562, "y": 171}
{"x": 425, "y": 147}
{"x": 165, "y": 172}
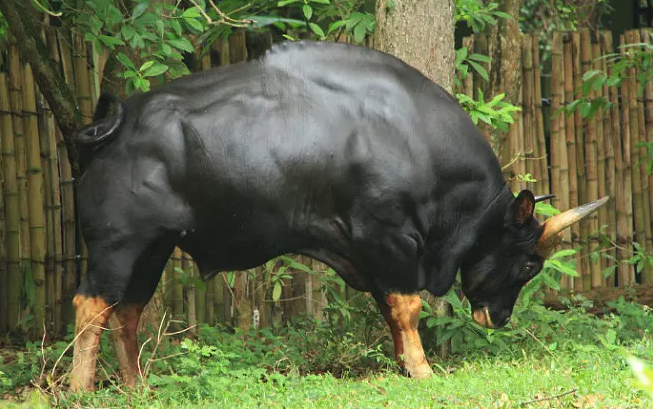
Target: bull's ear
{"x": 521, "y": 209}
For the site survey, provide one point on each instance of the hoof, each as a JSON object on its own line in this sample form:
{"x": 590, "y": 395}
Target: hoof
{"x": 421, "y": 372}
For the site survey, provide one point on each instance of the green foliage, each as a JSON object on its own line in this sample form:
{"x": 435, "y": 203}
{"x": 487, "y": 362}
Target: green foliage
{"x": 542, "y": 352}
{"x": 496, "y": 113}
{"x": 543, "y": 17}
{"x": 477, "y": 15}
{"x": 158, "y": 34}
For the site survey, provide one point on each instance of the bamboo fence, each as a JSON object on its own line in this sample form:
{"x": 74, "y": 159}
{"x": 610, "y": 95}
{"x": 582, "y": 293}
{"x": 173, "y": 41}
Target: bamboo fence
{"x": 43, "y": 258}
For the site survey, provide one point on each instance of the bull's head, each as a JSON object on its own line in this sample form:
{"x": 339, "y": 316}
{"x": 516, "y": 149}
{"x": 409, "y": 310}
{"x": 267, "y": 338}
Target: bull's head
{"x": 504, "y": 263}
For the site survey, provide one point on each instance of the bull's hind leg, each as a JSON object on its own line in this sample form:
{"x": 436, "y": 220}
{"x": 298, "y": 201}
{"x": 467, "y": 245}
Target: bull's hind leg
{"x": 401, "y": 312}
{"x": 124, "y": 322}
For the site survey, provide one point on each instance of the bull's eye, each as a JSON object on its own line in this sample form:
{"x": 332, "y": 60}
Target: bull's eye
{"x": 530, "y": 268}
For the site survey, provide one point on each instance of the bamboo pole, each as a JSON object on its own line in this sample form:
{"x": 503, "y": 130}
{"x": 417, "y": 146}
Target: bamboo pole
{"x": 570, "y": 136}
{"x": 189, "y": 296}
{"x": 177, "y": 287}
{"x": 83, "y": 97}
{"x": 591, "y": 161}
{"x": 648, "y": 98}
{"x": 638, "y": 194}
{"x": 48, "y": 194}
{"x": 559, "y": 161}
{"x": 54, "y": 209}
{"x": 15, "y": 96}
{"x": 598, "y": 280}
{"x": 647, "y": 272}
{"x": 69, "y": 227}
{"x": 610, "y": 170}
{"x": 3, "y": 255}
{"x": 624, "y": 194}
{"x": 527, "y": 106}
{"x": 12, "y": 208}
{"x": 583, "y": 183}
{"x": 35, "y": 199}
{"x": 541, "y": 156}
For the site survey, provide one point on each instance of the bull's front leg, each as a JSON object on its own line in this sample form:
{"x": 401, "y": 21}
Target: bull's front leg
{"x": 401, "y": 312}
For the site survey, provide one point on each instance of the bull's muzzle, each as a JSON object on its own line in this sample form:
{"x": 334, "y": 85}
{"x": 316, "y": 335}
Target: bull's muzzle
{"x": 482, "y": 317}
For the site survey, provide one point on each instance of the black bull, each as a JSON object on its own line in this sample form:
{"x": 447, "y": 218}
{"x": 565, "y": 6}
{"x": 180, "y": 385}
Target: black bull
{"x": 336, "y": 152}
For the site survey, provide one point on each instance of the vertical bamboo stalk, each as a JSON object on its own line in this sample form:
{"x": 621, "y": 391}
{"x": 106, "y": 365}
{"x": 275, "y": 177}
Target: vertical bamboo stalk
{"x": 647, "y": 242}
{"x": 48, "y": 194}
{"x": 69, "y": 227}
{"x": 12, "y": 207}
{"x": 527, "y": 106}
{"x": 648, "y": 96}
{"x": 583, "y": 183}
{"x": 570, "y": 136}
{"x": 83, "y": 96}
{"x": 35, "y": 198}
{"x": 559, "y": 161}
{"x": 601, "y": 171}
{"x": 3, "y": 254}
{"x": 625, "y": 193}
{"x": 189, "y": 298}
{"x": 638, "y": 194}
{"x": 610, "y": 170}
{"x": 541, "y": 156}
{"x": 592, "y": 222}
{"x": 55, "y": 204}
{"x": 15, "y": 95}
{"x": 177, "y": 287}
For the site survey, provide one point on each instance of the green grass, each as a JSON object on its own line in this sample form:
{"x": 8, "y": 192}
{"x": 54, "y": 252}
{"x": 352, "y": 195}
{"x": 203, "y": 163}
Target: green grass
{"x": 567, "y": 360}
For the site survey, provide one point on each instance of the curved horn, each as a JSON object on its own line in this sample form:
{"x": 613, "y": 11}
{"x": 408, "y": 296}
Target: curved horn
{"x": 552, "y": 227}
{"x": 543, "y": 198}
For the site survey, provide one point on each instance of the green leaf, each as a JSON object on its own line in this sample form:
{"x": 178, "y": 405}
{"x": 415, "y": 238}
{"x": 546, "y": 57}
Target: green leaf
{"x": 156, "y": 69}
{"x": 276, "y": 291}
{"x": 139, "y": 10}
{"x": 320, "y": 1}
{"x": 283, "y": 3}
{"x": 563, "y": 253}
{"x": 195, "y": 24}
{"x": 550, "y": 281}
{"x": 127, "y": 32}
{"x": 146, "y": 65}
{"x": 480, "y": 58}
{"x": 316, "y": 29}
{"x": 192, "y": 12}
{"x": 359, "y": 33}
{"x": 110, "y": 41}
{"x": 122, "y": 57}
{"x": 481, "y": 71}
{"x": 308, "y": 11}
{"x": 176, "y": 27}
{"x": 336, "y": 25}
{"x": 182, "y": 44}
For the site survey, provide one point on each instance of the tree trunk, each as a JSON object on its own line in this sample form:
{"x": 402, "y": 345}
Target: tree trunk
{"x": 502, "y": 44}
{"x": 51, "y": 83}
{"x": 421, "y": 33}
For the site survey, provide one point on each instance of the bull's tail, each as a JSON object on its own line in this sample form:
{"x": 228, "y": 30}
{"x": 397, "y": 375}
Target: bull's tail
{"x": 104, "y": 127}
